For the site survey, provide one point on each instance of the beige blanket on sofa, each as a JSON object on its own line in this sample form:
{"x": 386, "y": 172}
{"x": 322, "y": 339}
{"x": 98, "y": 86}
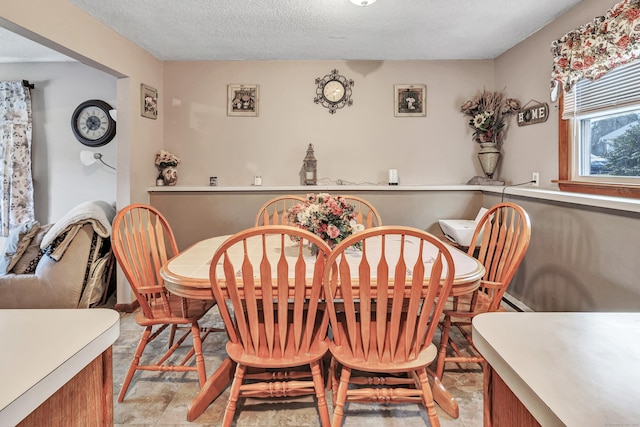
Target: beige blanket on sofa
{"x": 98, "y": 213}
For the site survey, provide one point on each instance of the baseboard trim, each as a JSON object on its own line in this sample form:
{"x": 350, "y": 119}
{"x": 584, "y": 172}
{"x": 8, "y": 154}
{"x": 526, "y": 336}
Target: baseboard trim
{"x": 126, "y": 308}
{"x": 514, "y": 303}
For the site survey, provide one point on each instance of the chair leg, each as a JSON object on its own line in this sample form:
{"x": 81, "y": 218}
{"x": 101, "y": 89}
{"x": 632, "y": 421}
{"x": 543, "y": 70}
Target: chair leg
{"x": 197, "y": 347}
{"x": 135, "y": 362}
{"x": 341, "y": 399}
{"x": 172, "y": 334}
{"x": 230, "y": 410}
{"x": 325, "y": 367}
{"x": 318, "y": 384}
{"x": 427, "y": 397}
{"x": 333, "y": 379}
{"x": 444, "y": 342}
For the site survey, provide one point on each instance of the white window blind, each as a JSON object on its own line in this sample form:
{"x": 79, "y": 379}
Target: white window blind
{"x": 618, "y": 88}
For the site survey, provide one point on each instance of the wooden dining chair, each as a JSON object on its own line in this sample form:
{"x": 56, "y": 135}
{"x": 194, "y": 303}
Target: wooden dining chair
{"x": 384, "y": 309}
{"x": 142, "y": 242}
{"x": 274, "y": 211}
{"x": 270, "y": 303}
{"x": 366, "y": 213}
{"x": 506, "y": 232}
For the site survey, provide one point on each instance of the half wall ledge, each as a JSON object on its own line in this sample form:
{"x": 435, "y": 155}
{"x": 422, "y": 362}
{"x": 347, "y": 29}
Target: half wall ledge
{"x": 605, "y": 202}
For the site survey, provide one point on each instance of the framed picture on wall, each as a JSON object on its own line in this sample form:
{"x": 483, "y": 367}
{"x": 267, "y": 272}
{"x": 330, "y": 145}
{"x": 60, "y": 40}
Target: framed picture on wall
{"x": 148, "y": 102}
{"x": 410, "y": 100}
{"x": 242, "y": 100}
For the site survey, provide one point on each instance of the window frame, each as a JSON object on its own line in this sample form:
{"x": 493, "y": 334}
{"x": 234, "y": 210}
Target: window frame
{"x": 566, "y": 182}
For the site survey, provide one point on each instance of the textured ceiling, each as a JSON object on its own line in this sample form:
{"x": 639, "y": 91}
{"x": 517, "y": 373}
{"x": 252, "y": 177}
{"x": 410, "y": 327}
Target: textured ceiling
{"x": 192, "y": 30}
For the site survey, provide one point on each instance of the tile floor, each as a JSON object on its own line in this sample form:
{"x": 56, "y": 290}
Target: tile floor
{"x": 162, "y": 399}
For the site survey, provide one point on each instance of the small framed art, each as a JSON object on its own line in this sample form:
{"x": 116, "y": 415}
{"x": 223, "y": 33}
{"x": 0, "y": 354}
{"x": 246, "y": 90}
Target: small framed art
{"x": 148, "y": 102}
{"x": 410, "y": 100}
{"x": 242, "y": 100}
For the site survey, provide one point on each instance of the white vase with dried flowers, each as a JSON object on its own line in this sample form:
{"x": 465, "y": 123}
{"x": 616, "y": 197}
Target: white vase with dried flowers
{"x": 166, "y": 164}
{"x": 489, "y": 112}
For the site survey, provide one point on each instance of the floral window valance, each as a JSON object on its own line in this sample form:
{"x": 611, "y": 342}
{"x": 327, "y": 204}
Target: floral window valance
{"x": 597, "y": 47}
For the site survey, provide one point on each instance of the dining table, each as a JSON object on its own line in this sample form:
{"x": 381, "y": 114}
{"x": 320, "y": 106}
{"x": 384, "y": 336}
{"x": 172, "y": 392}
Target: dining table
{"x": 187, "y": 275}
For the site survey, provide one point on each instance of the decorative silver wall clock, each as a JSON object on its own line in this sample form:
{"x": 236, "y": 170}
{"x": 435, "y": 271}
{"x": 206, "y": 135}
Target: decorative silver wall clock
{"x": 333, "y": 91}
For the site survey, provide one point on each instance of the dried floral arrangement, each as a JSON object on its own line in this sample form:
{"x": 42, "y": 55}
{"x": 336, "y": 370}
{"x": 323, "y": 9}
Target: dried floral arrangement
{"x": 165, "y": 159}
{"x": 488, "y": 112}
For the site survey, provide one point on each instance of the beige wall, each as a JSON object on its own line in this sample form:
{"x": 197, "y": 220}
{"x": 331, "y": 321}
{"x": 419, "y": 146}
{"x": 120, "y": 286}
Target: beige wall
{"x": 357, "y": 144}
{"x": 580, "y": 258}
{"x": 525, "y": 72}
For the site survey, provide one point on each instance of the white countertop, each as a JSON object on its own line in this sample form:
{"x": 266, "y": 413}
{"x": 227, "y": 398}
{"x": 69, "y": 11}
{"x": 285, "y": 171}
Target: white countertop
{"x": 573, "y": 369}
{"x": 43, "y": 349}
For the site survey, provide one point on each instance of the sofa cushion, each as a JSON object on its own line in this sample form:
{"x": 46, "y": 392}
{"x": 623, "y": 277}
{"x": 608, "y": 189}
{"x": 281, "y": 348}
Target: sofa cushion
{"x": 17, "y": 243}
{"x": 29, "y": 260}
{"x": 96, "y": 283}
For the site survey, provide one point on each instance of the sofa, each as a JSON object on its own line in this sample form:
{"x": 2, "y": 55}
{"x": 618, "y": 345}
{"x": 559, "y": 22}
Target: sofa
{"x": 61, "y": 265}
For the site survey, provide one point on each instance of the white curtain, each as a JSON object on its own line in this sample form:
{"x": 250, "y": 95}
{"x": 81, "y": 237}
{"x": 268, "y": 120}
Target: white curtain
{"x": 16, "y": 194}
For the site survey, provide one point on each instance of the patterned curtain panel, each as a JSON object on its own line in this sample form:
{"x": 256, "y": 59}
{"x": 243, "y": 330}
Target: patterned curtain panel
{"x": 16, "y": 195}
{"x": 597, "y": 47}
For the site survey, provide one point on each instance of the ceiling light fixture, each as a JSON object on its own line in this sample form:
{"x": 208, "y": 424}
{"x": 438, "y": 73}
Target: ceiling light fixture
{"x": 88, "y": 158}
{"x": 362, "y": 3}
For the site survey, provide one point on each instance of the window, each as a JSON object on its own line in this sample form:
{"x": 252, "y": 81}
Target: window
{"x": 601, "y": 135}
{"x": 609, "y": 146}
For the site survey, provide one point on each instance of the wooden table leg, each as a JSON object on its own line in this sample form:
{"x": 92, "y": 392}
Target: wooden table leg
{"x": 441, "y": 395}
{"x": 215, "y": 385}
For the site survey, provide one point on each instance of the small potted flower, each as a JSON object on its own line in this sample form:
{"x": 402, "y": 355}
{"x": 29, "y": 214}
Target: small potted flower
{"x": 166, "y": 163}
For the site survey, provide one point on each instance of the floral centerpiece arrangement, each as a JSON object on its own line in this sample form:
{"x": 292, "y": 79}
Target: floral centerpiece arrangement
{"x": 330, "y": 218}
{"x": 488, "y": 112}
{"x": 166, "y": 163}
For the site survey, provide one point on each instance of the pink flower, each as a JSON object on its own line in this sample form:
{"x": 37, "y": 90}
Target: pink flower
{"x": 632, "y": 14}
{"x": 623, "y": 42}
{"x": 333, "y": 231}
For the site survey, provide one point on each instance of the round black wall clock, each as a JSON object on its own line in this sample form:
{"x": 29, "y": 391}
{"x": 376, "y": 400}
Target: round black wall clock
{"x": 92, "y": 124}
{"x": 333, "y": 91}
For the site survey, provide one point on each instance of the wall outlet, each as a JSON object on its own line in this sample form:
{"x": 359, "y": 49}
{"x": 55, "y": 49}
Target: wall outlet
{"x": 535, "y": 178}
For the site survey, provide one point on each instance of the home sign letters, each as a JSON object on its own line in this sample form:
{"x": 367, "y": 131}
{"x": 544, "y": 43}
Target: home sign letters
{"x": 537, "y": 113}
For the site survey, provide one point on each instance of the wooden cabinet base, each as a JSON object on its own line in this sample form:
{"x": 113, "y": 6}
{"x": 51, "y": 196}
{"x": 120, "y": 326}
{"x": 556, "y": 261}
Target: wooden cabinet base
{"x": 506, "y": 409}
{"x": 85, "y": 400}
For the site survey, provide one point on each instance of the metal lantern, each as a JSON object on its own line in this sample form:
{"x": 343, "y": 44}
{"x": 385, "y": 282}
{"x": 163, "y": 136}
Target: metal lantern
{"x": 309, "y": 166}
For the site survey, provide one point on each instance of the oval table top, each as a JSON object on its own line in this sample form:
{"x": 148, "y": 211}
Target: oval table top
{"x": 187, "y": 274}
